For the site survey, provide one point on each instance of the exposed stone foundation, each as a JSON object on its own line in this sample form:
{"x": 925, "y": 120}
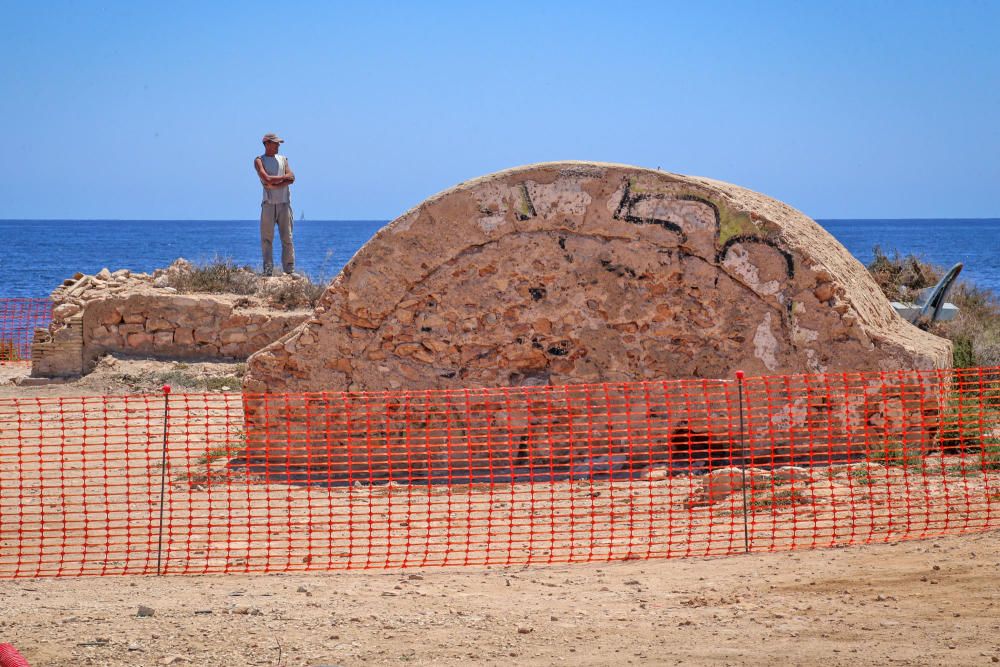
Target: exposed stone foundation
{"x": 582, "y": 431}
{"x": 125, "y": 313}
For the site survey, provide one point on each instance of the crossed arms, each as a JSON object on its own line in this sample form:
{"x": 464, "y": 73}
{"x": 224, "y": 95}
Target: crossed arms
{"x": 271, "y": 182}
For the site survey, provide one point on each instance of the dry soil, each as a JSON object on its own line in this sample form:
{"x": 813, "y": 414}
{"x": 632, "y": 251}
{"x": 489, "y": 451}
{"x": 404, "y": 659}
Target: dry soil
{"x": 912, "y": 603}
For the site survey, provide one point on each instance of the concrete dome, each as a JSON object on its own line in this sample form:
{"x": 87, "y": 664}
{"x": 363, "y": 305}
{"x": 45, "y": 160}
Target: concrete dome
{"x": 572, "y": 272}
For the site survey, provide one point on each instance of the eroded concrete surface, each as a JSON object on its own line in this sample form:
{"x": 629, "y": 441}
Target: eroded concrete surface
{"x": 565, "y": 273}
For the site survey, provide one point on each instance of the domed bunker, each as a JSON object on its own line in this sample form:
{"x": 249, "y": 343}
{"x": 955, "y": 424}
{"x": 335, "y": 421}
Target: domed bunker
{"x": 566, "y": 273}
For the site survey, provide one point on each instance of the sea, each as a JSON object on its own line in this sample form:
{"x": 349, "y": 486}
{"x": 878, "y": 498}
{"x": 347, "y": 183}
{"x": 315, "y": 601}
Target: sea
{"x": 37, "y": 255}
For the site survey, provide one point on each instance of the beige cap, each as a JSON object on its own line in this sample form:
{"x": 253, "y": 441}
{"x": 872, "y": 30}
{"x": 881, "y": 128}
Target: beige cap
{"x": 270, "y": 136}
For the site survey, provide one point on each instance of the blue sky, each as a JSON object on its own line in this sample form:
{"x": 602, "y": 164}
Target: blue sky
{"x": 140, "y": 110}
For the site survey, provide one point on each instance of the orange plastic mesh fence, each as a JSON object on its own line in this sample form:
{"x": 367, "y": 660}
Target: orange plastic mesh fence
{"x": 328, "y": 481}
{"x": 18, "y": 320}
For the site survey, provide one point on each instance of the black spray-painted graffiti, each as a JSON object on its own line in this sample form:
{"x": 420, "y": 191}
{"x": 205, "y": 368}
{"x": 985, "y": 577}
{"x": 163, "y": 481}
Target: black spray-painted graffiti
{"x": 626, "y": 210}
{"x": 629, "y": 200}
{"x": 749, "y": 238}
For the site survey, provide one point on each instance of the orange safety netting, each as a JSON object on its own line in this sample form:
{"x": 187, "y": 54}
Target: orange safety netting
{"x": 327, "y": 481}
{"x": 18, "y": 320}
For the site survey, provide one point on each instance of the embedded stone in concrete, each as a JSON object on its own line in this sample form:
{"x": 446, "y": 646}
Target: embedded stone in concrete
{"x": 576, "y": 272}
{"x": 565, "y": 273}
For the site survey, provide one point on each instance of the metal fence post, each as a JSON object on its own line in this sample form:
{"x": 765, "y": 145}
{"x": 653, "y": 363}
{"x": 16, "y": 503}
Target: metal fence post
{"x": 743, "y": 466}
{"x": 163, "y": 477}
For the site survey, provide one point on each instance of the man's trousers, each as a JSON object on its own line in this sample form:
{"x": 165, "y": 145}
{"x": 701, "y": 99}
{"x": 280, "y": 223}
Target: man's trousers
{"x": 279, "y": 215}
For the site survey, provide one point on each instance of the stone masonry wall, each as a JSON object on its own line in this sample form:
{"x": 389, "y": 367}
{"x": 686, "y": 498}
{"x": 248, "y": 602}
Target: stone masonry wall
{"x": 575, "y": 431}
{"x": 124, "y": 313}
{"x": 566, "y": 273}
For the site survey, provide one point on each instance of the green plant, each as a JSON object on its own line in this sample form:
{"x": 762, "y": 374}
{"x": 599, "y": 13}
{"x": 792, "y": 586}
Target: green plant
{"x": 962, "y": 354}
{"x": 970, "y": 415}
{"x": 9, "y": 351}
{"x": 989, "y": 456}
{"x": 862, "y": 475}
{"x": 975, "y": 331}
{"x": 892, "y": 453}
{"x": 213, "y": 454}
{"x": 176, "y": 377}
{"x": 985, "y": 460}
{"x": 222, "y": 382}
{"x": 779, "y": 499}
{"x": 200, "y": 471}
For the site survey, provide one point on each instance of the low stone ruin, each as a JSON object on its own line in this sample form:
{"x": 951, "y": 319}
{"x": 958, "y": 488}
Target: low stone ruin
{"x": 565, "y": 273}
{"x": 138, "y": 314}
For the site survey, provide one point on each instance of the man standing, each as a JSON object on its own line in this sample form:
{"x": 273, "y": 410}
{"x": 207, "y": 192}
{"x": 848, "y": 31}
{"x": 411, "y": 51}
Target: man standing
{"x": 276, "y": 207}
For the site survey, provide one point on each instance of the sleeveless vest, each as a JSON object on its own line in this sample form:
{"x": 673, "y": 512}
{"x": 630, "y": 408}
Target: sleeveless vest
{"x": 275, "y": 165}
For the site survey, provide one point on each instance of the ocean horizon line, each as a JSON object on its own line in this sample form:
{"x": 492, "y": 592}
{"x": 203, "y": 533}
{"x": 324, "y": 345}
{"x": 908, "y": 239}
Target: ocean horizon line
{"x": 47, "y": 247}
{"x": 817, "y": 218}
{"x": 186, "y": 220}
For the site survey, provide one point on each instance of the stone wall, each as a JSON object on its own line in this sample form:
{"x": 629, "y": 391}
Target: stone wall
{"x": 581, "y": 431}
{"x": 567, "y": 273}
{"x": 129, "y": 314}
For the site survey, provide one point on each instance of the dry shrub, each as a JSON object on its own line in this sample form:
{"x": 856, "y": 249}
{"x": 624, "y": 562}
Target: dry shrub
{"x": 290, "y": 294}
{"x": 219, "y": 276}
{"x": 901, "y": 278}
{"x": 975, "y": 331}
{"x": 224, "y": 276}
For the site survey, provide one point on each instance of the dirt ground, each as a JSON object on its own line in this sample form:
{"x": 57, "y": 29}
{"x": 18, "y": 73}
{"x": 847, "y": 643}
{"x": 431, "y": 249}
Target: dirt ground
{"x": 911, "y": 603}
{"x": 930, "y": 602}
{"x": 117, "y": 376}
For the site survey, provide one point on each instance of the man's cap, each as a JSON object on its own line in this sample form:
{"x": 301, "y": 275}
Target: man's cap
{"x": 270, "y": 136}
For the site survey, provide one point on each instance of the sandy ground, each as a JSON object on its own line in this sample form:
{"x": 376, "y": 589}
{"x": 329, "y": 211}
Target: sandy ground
{"x": 80, "y": 484}
{"x": 930, "y": 602}
{"x": 917, "y": 602}
{"x": 116, "y": 376}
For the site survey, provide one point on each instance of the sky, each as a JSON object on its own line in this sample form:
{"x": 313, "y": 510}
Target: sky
{"x": 136, "y": 110}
